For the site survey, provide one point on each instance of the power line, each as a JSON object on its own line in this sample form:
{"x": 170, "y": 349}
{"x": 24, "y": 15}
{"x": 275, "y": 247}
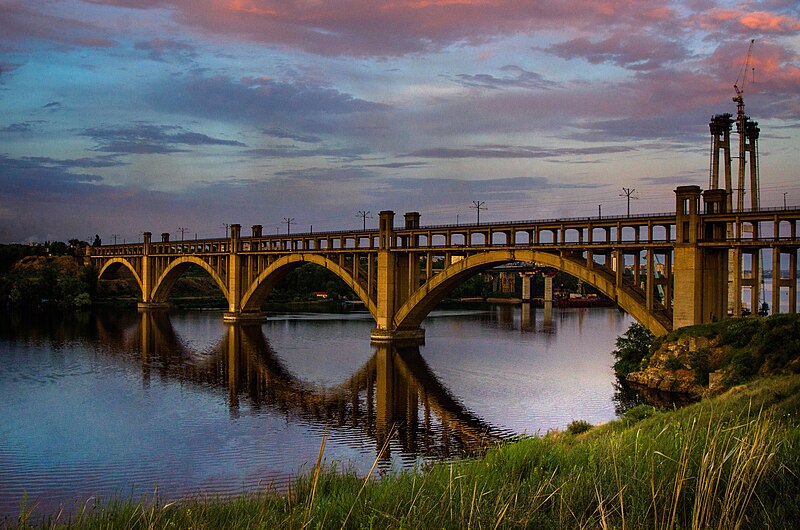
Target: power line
{"x": 478, "y": 205}
{"x": 364, "y": 214}
{"x": 628, "y": 192}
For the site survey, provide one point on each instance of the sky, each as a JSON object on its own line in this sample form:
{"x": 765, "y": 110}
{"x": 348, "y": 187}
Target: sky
{"x": 181, "y": 116}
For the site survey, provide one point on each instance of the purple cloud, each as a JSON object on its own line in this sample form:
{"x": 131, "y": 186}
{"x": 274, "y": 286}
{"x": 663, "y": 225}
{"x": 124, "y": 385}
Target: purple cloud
{"x": 151, "y": 139}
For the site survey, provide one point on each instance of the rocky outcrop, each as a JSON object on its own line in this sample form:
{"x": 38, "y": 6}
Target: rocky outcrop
{"x": 683, "y": 366}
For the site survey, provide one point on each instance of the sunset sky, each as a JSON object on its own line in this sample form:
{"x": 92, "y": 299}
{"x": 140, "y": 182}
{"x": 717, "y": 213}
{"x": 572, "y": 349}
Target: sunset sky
{"x": 124, "y": 116}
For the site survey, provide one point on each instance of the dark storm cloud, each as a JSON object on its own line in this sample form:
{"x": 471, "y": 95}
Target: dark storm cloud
{"x": 151, "y": 139}
{"x": 513, "y": 151}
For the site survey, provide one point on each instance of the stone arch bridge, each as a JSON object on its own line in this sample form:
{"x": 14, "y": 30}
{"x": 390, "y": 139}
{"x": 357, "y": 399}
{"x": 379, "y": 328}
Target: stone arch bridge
{"x": 667, "y": 270}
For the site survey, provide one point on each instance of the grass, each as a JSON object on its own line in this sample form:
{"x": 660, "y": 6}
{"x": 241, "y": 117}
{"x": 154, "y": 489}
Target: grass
{"x": 725, "y": 463}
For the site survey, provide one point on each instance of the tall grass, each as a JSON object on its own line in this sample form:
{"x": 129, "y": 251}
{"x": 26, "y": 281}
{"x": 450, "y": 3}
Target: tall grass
{"x": 727, "y": 463}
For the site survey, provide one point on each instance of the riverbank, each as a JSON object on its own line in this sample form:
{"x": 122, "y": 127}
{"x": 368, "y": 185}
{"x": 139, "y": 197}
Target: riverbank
{"x": 725, "y": 462}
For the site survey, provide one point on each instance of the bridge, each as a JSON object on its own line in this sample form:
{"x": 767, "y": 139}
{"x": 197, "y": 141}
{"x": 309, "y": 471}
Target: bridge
{"x": 667, "y": 270}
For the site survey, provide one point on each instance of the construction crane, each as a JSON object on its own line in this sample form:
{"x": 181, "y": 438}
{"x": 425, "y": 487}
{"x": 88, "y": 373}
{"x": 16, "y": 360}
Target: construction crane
{"x": 748, "y": 135}
{"x": 742, "y": 80}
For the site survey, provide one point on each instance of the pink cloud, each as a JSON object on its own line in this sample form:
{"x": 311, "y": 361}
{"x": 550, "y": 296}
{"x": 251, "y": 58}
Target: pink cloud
{"x": 747, "y": 21}
{"x": 19, "y": 22}
{"x": 398, "y": 27}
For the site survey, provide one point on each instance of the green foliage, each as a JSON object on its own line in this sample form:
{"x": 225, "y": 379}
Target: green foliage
{"x": 673, "y": 363}
{"x": 699, "y": 359}
{"x": 637, "y": 414}
{"x": 302, "y": 282}
{"x": 633, "y": 347}
{"x": 749, "y": 346}
{"x": 47, "y": 282}
{"x": 578, "y": 426}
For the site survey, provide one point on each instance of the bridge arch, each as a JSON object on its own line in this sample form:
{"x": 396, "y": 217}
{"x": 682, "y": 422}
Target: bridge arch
{"x": 263, "y": 284}
{"x": 166, "y": 281}
{"x": 422, "y": 302}
{"x": 115, "y": 263}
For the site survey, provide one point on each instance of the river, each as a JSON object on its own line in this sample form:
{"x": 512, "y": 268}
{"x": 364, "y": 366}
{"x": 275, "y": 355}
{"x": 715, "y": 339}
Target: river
{"x": 128, "y": 404}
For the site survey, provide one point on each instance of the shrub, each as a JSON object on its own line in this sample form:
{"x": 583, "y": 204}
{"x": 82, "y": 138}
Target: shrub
{"x": 578, "y": 426}
{"x": 638, "y": 413}
{"x": 673, "y": 363}
{"x": 632, "y": 349}
{"x": 700, "y": 364}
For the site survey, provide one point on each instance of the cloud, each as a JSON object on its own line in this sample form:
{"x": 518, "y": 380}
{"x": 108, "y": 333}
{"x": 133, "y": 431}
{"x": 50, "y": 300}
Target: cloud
{"x": 518, "y": 78}
{"x": 19, "y": 21}
{"x": 631, "y": 51}
{"x": 735, "y": 20}
{"x": 17, "y": 128}
{"x": 302, "y": 111}
{"x": 53, "y": 105}
{"x": 28, "y": 175}
{"x": 386, "y": 28}
{"x": 164, "y": 49}
{"x": 513, "y": 151}
{"x": 349, "y": 153}
{"x": 151, "y": 139}
{"x": 286, "y": 134}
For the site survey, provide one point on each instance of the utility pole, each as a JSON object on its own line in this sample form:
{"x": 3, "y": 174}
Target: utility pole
{"x": 115, "y": 236}
{"x": 364, "y": 214}
{"x": 784, "y": 200}
{"x": 289, "y": 221}
{"x": 628, "y": 192}
{"x": 182, "y": 231}
{"x": 478, "y": 205}
{"x": 599, "y": 211}
{"x": 226, "y": 225}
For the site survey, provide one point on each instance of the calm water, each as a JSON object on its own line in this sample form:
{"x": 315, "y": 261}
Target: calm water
{"x": 94, "y": 407}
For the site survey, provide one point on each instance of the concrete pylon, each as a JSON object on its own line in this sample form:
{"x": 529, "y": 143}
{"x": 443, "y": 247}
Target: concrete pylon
{"x": 397, "y": 278}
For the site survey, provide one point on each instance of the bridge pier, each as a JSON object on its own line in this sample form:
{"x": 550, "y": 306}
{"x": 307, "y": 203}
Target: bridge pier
{"x": 153, "y": 306}
{"x": 244, "y": 316}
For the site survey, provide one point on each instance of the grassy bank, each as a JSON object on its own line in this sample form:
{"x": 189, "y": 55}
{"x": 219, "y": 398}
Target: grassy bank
{"x": 727, "y": 462}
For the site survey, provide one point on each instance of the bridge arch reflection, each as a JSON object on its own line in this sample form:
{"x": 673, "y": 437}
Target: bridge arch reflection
{"x": 393, "y": 397}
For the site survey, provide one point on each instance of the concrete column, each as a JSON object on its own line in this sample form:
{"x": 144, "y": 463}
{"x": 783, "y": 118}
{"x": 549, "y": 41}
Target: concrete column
{"x": 756, "y": 288}
{"x": 650, "y": 288}
{"x": 386, "y": 274}
{"x": 147, "y": 265}
{"x": 776, "y": 280}
{"x": 735, "y": 282}
{"x": 668, "y": 279}
{"x": 548, "y": 288}
{"x": 619, "y": 266}
{"x": 526, "y": 287}
{"x": 793, "y": 280}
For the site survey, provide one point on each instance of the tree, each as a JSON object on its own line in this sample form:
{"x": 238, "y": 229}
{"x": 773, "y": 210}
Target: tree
{"x": 632, "y": 348}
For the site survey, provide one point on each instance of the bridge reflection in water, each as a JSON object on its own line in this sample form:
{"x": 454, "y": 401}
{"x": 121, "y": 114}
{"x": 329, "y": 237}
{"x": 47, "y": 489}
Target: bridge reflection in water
{"x": 393, "y": 399}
